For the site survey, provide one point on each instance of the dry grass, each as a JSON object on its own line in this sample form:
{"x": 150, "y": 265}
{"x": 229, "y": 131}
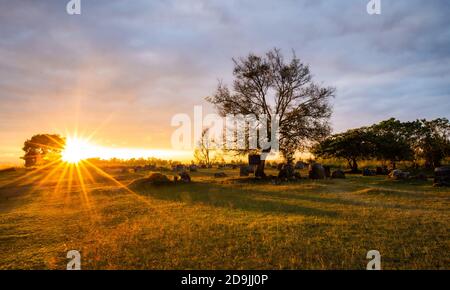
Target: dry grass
{"x": 226, "y": 223}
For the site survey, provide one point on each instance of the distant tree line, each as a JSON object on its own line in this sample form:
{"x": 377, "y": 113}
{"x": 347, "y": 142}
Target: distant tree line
{"x": 390, "y": 141}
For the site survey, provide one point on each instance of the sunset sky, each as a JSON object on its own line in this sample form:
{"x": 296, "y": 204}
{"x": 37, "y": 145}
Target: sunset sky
{"x": 126, "y": 67}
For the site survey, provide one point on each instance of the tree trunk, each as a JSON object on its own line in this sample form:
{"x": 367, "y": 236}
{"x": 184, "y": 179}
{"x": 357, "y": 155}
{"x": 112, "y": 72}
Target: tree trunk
{"x": 260, "y": 169}
{"x": 394, "y": 165}
{"x": 349, "y": 163}
{"x": 259, "y": 173}
{"x": 428, "y": 164}
{"x": 436, "y": 162}
{"x": 354, "y": 165}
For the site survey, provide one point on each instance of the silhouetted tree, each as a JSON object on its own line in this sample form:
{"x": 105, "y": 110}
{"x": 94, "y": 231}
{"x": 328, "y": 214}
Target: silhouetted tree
{"x": 268, "y": 85}
{"x": 203, "y": 152}
{"x": 393, "y": 141}
{"x": 432, "y": 141}
{"x": 42, "y": 148}
{"x": 353, "y": 145}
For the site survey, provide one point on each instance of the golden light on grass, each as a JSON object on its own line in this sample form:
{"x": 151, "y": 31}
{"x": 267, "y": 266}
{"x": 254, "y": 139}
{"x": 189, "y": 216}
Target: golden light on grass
{"x": 73, "y": 172}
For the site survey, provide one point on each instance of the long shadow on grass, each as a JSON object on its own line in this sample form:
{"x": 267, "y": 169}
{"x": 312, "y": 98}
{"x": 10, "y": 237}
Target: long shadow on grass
{"x": 317, "y": 192}
{"x": 218, "y": 195}
{"x": 345, "y": 202}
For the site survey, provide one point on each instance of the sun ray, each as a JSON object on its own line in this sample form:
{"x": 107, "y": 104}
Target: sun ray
{"x": 42, "y": 177}
{"x": 70, "y": 180}
{"x": 31, "y": 179}
{"x": 47, "y": 177}
{"x": 86, "y": 172}
{"x": 91, "y": 209}
{"x": 75, "y": 173}
{"x": 103, "y": 124}
{"x": 61, "y": 178}
{"x": 82, "y": 185}
{"x": 48, "y": 146}
{"x": 36, "y": 171}
{"x": 108, "y": 176}
{"x": 56, "y": 141}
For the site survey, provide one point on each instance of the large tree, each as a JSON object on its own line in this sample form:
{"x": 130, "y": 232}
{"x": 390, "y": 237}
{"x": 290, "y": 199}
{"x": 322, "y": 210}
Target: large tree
{"x": 42, "y": 148}
{"x": 268, "y": 85}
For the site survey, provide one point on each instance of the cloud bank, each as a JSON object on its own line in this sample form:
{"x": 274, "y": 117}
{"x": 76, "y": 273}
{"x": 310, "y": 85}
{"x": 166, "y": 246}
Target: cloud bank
{"x": 128, "y": 66}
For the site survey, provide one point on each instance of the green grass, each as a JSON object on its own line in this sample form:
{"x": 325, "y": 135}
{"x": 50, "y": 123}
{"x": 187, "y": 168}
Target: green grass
{"x": 227, "y": 223}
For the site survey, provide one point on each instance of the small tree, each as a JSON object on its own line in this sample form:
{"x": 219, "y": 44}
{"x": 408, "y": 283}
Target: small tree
{"x": 353, "y": 145}
{"x": 42, "y": 148}
{"x": 203, "y": 152}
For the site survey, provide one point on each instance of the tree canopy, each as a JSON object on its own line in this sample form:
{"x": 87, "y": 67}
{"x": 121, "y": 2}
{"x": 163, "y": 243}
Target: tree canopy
{"x": 390, "y": 140}
{"x": 432, "y": 141}
{"x": 353, "y": 145}
{"x": 42, "y": 148}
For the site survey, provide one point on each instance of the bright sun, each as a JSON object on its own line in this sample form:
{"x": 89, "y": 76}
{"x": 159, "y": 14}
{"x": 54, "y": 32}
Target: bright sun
{"x": 76, "y": 150}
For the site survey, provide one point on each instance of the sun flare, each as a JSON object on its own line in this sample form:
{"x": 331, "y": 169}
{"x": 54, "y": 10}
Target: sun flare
{"x": 76, "y": 150}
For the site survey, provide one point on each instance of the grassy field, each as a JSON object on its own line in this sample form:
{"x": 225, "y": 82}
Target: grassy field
{"x": 227, "y": 223}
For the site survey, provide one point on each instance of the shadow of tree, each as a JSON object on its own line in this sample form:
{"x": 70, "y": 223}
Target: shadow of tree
{"x": 221, "y": 195}
{"x": 346, "y": 201}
